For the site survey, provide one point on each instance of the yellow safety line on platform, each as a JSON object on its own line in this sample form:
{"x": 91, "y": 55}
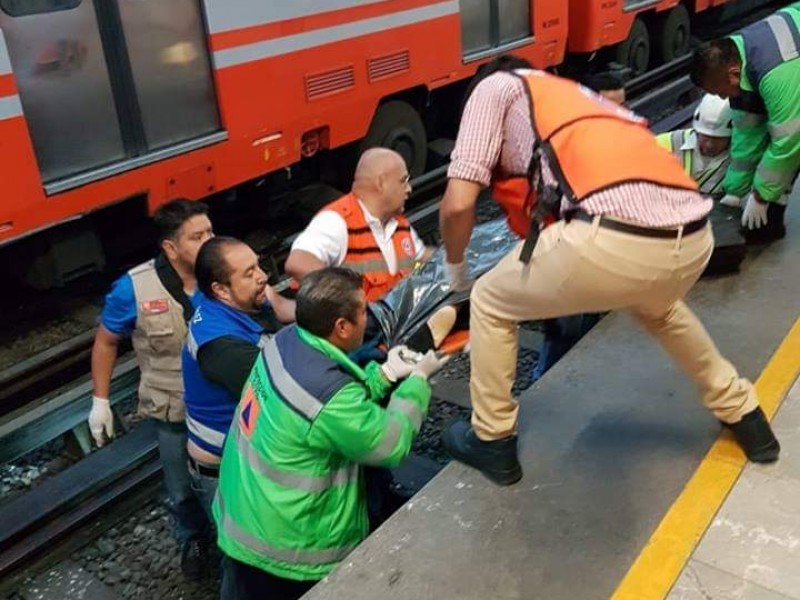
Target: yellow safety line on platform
{"x": 661, "y": 561}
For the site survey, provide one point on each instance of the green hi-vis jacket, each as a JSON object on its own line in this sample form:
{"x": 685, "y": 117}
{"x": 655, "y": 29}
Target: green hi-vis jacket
{"x": 765, "y": 148}
{"x": 291, "y": 498}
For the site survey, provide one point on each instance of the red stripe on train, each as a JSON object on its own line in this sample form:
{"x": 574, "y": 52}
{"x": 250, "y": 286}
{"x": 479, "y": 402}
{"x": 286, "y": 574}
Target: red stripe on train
{"x": 8, "y": 86}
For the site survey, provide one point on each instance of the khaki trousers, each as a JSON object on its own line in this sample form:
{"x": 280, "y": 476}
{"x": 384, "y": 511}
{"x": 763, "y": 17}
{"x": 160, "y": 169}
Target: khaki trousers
{"x": 581, "y": 267}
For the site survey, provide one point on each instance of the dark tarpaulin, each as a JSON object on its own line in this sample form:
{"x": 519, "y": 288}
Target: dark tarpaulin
{"x": 412, "y": 302}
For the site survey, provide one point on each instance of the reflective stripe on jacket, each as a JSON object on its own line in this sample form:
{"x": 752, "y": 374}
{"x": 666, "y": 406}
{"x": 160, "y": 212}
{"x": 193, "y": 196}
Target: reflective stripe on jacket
{"x": 711, "y": 176}
{"x": 363, "y": 254}
{"x": 765, "y": 147}
{"x": 209, "y": 405}
{"x": 291, "y": 495}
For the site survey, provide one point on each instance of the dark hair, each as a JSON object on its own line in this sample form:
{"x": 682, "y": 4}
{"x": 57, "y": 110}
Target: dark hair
{"x": 711, "y": 59}
{"x": 211, "y": 265}
{"x": 613, "y": 79}
{"x": 325, "y": 296}
{"x": 503, "y": 63}
{"x": 169, "y": 217}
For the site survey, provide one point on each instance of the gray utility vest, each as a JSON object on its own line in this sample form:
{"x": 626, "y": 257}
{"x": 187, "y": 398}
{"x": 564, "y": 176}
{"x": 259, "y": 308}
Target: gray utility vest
{"x": 767, "y": 44}
{"x": 158, "y": 340}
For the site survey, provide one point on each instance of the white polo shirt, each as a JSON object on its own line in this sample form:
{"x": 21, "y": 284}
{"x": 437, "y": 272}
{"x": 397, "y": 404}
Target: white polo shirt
{"x": 326, "y": 238}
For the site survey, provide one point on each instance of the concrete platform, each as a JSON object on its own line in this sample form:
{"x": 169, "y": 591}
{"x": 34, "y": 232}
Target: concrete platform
{"x": 610, "y": 439}
{"x": 751, "y": 551}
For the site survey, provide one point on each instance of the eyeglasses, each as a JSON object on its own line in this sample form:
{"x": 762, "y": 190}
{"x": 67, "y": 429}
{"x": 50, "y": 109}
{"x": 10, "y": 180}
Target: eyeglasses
{"x": 406, "y": 178}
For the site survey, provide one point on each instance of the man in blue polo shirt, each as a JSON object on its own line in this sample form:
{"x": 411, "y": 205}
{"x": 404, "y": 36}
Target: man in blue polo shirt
{"x": 236, "y": 312}
{"x": 151, "y": 304}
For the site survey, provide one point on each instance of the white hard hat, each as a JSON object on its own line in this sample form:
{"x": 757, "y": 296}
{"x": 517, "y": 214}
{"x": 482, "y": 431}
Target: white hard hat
{"x": 713, "y": 117}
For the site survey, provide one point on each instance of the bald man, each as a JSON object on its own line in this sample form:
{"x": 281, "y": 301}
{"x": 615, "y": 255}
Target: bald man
{"x": 364, "y": 230}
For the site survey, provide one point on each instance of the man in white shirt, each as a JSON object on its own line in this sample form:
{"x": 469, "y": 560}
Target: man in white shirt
{"x": 364, "y": 230}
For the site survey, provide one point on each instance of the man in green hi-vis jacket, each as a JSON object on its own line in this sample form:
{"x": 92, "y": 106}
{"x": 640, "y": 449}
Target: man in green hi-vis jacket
{"x": 758, "y": 68}
{"x": 291, "y": 501}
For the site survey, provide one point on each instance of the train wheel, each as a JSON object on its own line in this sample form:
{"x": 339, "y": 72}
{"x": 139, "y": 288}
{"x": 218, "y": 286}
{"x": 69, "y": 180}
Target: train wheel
{"x": 634, "y": 52}
{"x": 398, "y": 126}
{"x": 675, "y": 32}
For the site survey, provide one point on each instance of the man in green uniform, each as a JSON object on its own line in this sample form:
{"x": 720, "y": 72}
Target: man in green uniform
{"x": 291, "y": 501}
{"x": 758, "y": 68}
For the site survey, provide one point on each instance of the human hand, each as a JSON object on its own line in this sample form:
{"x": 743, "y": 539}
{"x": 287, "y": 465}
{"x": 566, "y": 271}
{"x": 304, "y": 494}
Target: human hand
{"x": 754, "y": 215}
{"x": 101, "y": 420}
{"x": 398, "y": 365}
{"x": 429, "y": 364}
{"x": 458, "y": 275}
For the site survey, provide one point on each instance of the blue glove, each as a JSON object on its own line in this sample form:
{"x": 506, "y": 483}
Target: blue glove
{"x": 367, "y": 352}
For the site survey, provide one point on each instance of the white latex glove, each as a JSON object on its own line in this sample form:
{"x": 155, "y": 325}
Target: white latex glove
{"x": 731, "y": 200}
{"x": 101, "y": 420}
{"x": 754, "y": 214}
{"x": 397, "y": 366}
{"x": 458, "y": 275}
{"x": 429, "y": 364}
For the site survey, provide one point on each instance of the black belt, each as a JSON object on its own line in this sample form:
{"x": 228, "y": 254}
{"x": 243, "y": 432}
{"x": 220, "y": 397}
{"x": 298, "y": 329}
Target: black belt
{"x": 689, "y": 228}
{"x": 206, "y": 470}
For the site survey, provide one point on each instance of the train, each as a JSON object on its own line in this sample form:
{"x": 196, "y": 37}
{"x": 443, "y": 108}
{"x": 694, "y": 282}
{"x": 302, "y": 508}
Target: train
{"x": 115, "y": 103}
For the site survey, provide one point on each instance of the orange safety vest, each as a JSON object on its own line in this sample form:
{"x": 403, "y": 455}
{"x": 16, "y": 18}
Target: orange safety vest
{"x": 517, "y": 199}
{"x": 363, "y": 254}
{"x": 591, "y": 145}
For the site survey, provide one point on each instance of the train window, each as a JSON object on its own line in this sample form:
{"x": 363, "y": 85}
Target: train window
{"x": 22, "y": 8}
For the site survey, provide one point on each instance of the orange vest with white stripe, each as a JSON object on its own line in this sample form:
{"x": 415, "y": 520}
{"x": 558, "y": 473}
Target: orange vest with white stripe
{"x": 364, "y": 256}
{"x": 591, "y": 145}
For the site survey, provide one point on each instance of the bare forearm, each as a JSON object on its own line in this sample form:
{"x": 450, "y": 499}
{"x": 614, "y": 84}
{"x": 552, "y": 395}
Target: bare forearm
{"x": 284, "y": 308}
{"x": 104, "y": 356}
{"x": 457, "y": 217}
{"x": 300, "y": 263}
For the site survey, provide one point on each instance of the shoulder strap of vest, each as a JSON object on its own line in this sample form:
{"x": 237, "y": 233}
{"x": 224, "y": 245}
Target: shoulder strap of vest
{"x": 142, "y": 268}
{"x": 173, "y": 283}
{"x": 548, "y": 199}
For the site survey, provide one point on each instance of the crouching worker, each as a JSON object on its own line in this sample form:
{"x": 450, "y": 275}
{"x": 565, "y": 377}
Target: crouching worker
{"x": 291, "y": 502}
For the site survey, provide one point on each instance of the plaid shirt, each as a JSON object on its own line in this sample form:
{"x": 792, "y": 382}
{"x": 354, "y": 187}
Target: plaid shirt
{"x": 496, "y": 134}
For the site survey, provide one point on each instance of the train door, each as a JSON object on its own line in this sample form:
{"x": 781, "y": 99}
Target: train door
{"x": 489, "y": 26}
{"x": 106, "y": 84}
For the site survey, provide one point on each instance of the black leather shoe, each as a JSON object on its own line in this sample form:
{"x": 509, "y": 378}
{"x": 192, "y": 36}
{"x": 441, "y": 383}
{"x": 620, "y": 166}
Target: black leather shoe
{"x": 755, "y": 437}
{"x": 194, "y": 559}
{"x": 496, "y": 460}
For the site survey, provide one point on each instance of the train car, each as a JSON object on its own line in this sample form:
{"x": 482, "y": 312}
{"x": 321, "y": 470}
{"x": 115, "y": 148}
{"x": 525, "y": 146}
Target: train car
{"x": 105, "y": 101}
{"x": 637, "y": 33}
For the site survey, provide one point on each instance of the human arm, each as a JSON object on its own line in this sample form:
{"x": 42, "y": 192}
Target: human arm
{"x": 300, "y": 263}
{"x": 322, "y": 244}
{"x": 284, "y": 308}
{"x": 748, "y": 141}
{"x": 367, "y": 433}
{"x": 474, "y": 158}
{"x": 117, "y": 320}
{"x": 781, "y": 159}
{"x": 104, "y": 357}
{"x": 227, "y": 361}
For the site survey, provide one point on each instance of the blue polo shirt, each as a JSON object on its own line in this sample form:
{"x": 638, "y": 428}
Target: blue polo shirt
{"x": 119, "y": 312}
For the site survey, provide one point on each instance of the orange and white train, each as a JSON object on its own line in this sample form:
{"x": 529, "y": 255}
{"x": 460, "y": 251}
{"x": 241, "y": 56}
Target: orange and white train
{"x": 104, "y": 102}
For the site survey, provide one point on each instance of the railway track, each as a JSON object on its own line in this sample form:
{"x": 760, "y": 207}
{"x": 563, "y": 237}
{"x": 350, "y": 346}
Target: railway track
{"x": 45, "y": 517}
